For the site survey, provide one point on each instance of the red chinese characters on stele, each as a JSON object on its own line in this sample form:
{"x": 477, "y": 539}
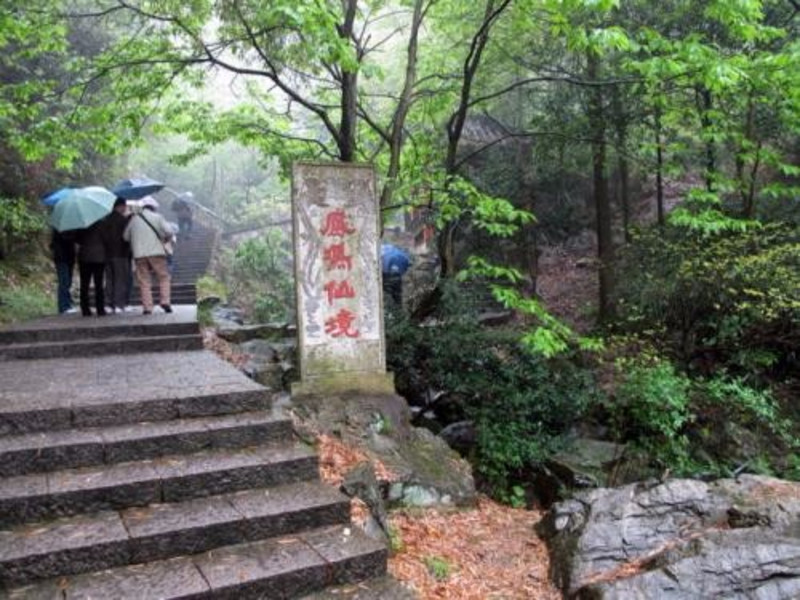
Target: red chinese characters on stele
{"x": 335, "y": 257}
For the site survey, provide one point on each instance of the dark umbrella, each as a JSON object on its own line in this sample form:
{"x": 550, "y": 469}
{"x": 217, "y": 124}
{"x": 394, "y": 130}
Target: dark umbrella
{"x": 394, "y": 260}
{"x": 137, "y": 187}
{"x": 54, "y": 197}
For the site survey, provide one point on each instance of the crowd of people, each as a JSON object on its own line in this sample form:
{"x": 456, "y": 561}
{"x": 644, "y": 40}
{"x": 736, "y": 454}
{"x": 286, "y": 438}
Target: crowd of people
{"x": 109, "y": 253}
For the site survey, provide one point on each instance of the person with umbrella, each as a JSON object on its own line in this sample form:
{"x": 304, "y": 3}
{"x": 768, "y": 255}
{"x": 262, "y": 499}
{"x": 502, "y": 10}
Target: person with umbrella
{"x": 118, "y": 259}
{"x": 62, "y": 249}
{"x": 77, "y": 215}
{"x": 394, "y": 263}
{"x": 147, "y": 231}
{"x": 92, "y": 267}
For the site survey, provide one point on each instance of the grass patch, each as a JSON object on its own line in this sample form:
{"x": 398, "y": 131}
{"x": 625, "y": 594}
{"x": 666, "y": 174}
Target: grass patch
{"x": 25, "y": 301}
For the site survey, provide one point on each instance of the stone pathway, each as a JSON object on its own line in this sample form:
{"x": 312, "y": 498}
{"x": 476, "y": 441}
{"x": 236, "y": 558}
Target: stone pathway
{"x": 158, "y": 474}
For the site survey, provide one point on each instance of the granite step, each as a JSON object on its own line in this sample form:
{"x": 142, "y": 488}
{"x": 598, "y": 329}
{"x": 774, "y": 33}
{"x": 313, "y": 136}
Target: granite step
{"x": 107, "y": 539}
{"x": 50, "y": 395}
{"x": 71, "y": 327}
{"x": 281, "y": 567}
{"x": 102, "y": 346}
{"x": 85, "y": 447}
{"x": 41, "y": 496}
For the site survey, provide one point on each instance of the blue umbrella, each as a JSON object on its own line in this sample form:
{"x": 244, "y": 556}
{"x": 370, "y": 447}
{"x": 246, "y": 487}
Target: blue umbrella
{"x": 137, "y": 187}
{"x": 53, "y": 197}
{"x": 81, "y": 208}
{"x": 394, "y": 260}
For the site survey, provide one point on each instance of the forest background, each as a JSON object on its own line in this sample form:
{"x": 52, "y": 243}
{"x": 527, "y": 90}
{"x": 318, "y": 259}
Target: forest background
{"x": 688, "y": 350}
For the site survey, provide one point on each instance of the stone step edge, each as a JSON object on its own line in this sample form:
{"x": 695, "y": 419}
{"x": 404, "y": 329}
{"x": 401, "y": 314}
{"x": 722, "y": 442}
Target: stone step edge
{"x": 284, "y": 567}
{"x": 101, "y": 346}
{"x": 221, "y": 400}
{"x": 105, "y": 327}
{"x": 134, "y": 340}
{"x": 108, "y": 539}
{"x": 90, "y": 446}
{"x": 69, "y": 492}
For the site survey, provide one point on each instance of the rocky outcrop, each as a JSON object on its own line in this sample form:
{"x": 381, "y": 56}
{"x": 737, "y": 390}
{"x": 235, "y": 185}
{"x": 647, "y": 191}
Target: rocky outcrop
{"x": 678, "y": 539}
{"x": 425, "y": 470}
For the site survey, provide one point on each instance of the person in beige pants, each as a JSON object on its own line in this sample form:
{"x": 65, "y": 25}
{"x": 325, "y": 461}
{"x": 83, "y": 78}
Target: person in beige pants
{"x": 146, "y": 232}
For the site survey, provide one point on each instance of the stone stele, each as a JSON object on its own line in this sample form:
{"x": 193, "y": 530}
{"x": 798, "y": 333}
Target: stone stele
{"x": 337, "y": 280}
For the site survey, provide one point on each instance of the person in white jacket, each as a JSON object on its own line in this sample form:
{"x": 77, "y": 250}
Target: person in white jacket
{"x": 147, "y": 231}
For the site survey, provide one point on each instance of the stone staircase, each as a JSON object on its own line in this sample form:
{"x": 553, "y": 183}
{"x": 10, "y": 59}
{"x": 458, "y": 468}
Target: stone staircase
{"x": 157, "y": 474}
{"x": 191, "y": 259}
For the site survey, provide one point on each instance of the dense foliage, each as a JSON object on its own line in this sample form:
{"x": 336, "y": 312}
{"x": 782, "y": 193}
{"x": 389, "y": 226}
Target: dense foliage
{"x": 670, "y": 130}
{"x": 521, "y": 405}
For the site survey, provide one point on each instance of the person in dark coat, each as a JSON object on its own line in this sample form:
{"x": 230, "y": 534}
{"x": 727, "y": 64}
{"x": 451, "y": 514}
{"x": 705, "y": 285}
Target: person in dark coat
{"x": 91, "y": 267}
{"x": 62, "y": 246}
{"x": 118, "y": 257}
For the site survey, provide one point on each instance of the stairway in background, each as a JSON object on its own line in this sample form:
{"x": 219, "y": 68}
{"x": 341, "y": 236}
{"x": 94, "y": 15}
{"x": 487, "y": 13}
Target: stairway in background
{"x": 191, "y": 259}
{"x": 157, "y": 475}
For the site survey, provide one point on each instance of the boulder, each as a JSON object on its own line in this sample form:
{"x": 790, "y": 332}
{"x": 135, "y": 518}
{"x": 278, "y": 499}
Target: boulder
{"x": 361, "y": 482}
{"x": 225, "y": 317}
{"x": 425, "y": 470}
{"x": 268, "y": 362}
{"x": 267, "y": 331}
{"x": 732, "y": 538}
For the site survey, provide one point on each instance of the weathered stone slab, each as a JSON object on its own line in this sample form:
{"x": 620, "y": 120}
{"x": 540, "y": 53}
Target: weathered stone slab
{"x": 62, "y": 547}
{"x": 98, "y": 488}
{"x": 224, "y": 471}
{"x": 281, "y": 568}
{"x": 166, "y": 530}
{"x": 22, "y": 412}
{"x": 183, "y": 320}
{"x": 350, "y": 555}
{"x": 286, "y": 509}
{"x": 18, "y": 497}
{"x": 176, "y": 579}
{"x": 339, "y": 306}
{"x": 37, "y": 452}
{"x": 49, "y": 590}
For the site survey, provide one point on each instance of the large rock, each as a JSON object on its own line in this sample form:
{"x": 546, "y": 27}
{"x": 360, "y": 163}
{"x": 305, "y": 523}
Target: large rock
{"x": 238, "y": 333}
{"x": 268, "y": 362}
{"x": 678, "y": 539}
{"x": 426, "y": 471}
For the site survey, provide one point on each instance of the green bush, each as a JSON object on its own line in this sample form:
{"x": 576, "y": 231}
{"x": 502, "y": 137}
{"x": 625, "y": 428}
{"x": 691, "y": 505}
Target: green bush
{"x": 24, "y": 302}
{"x": 651, "y": 408}
{"x": 20, "y": 222}
{"x": 522, "y": 404}
{"x": 258, "y": 274}
{"x": 722, "y": 300}
{"x": 702, "y": 426}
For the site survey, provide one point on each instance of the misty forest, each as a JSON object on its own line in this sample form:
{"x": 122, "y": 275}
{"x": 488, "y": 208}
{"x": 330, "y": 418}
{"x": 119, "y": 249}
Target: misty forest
{"x": 601, "y": 199}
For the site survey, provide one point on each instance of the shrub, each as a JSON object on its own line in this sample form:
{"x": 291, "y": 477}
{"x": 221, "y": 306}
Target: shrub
{"x": 651, "y": 408}
{"x": 25, "y": 301}
{"x": 522, "y": 404}
{"x": 20, "y": 222}
{"x": 258, "y": 274}
{"x": 718, "y": 299}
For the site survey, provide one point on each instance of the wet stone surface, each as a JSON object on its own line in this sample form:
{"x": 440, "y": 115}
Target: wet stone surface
{"x": 63, "y": 547}
{"x": 176, "y": 578}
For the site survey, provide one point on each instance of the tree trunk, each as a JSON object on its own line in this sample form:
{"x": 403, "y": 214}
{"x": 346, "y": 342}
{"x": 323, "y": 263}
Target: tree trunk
{"x": 605, "y": 243}
{"x": 621, "y": 126}
{"x": 349, "y": 100}
{"x": 403, "y": 106}
{"x": 659, "y": 169}
{"x": 706, "y": 103}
